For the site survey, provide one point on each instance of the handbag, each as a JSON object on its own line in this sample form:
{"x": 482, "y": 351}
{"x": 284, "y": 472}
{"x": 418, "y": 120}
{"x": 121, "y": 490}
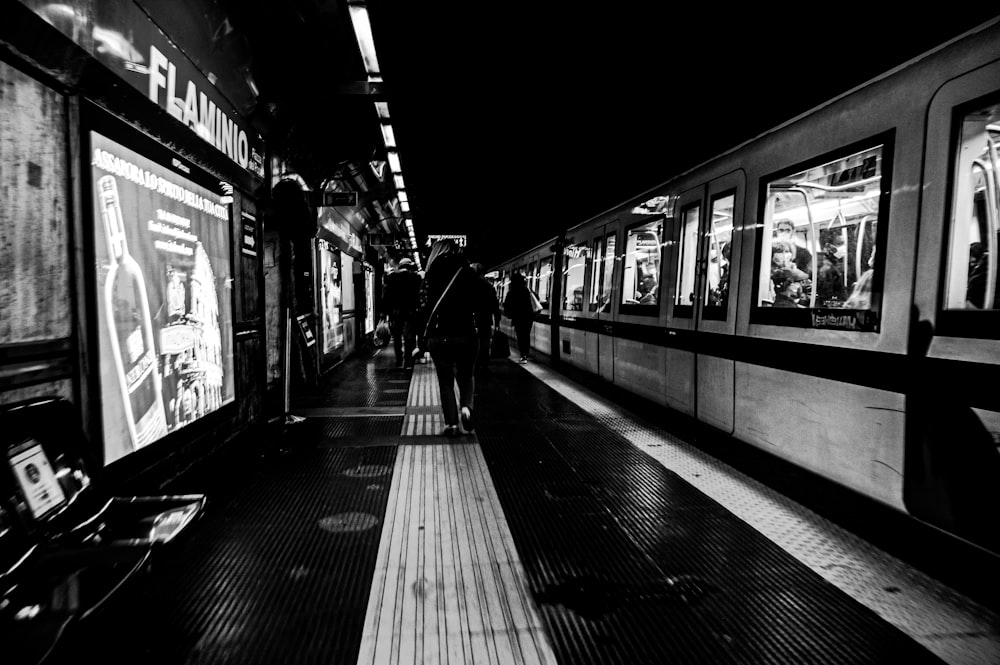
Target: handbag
{"x": 382, "y": 333}
{"x": 536, "y": 304}
{"x": 499, "y": 345}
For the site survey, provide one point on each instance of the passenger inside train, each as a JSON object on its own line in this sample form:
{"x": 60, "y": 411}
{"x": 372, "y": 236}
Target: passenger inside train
{"x": 784, "y": 229}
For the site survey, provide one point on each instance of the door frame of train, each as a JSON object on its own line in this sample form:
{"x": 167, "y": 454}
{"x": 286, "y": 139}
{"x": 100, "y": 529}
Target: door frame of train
{"x": 605, "y": 334}
{"x": 958, "y": 342}
{"x": 715, "y": 376}
{"x": 950, "y": 470}
{"x": 717, "y": 406}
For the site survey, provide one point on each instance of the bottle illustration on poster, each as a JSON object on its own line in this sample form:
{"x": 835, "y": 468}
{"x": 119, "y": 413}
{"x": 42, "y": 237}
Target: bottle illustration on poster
{"x": 130, "y": 327}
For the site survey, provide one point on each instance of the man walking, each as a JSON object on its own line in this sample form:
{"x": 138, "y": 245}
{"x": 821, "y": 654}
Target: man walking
{"x": 401, "y": 300}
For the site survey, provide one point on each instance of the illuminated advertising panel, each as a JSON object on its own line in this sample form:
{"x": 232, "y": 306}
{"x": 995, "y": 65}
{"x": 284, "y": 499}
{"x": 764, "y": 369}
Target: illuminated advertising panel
{"x": 333, "y": 324}
{"x": 164, "y": 305}
{"x": 369, "y": 299}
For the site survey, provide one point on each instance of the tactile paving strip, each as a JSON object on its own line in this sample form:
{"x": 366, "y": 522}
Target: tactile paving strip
{"x": 631, "y": 563}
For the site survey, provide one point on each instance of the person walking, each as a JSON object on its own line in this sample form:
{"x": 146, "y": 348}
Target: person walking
{"x": 488, "y": 320}
{"x": 401, "y": 300}
{"x": 519, "y": 307}
{"x": 454, "y": 299}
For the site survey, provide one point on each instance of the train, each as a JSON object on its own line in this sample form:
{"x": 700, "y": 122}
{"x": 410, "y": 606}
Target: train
{"x": 826, "y": 292}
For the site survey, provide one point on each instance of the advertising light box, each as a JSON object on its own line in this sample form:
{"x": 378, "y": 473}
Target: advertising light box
{"x": 333, "y": 325}
{"x": 164, "y": 303}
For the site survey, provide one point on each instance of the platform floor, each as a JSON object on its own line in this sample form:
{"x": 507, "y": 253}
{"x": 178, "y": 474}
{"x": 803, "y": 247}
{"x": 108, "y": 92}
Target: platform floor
{"x": 564, "y": 530}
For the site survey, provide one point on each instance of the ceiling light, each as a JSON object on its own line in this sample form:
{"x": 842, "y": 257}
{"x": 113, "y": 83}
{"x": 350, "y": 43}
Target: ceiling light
{"x": 363, "y": 31}
{"x": 388, "y": 136}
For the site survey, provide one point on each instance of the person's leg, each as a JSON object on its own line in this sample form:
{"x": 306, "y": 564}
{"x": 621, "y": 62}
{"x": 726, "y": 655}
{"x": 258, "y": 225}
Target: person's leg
{"x": 523, "y": 332}
{"x": 483, "y": 355}
{"x": 466, "y": 351}
{"x": 465, "y": 364}
{"x": 409, "y": 342}
{"x": 443, "y": 356}
{"x": 397, "y": 339}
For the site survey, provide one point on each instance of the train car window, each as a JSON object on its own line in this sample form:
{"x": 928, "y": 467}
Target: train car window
{"x": 531, "y": 277}
{"x": 576, "y": 262}
{"x": 502, "y": 285}
{"x": 545, "y": 282}
{"x": 608, "y": 270}
{"x": 975, "y": 212}
{"x": 719, "y": 236}
{"x": 595, "y": 276}
{"x": 641, "y": 266}
{"x": 818, "y": 243}
{"x": 688, "y": 255}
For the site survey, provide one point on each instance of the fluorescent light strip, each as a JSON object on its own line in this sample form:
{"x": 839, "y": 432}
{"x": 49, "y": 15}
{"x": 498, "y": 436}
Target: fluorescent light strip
{"x": 363, "y": 32}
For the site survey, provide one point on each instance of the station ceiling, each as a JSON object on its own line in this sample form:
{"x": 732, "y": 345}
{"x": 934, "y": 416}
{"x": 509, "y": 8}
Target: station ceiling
{"x": 515, "y": 120}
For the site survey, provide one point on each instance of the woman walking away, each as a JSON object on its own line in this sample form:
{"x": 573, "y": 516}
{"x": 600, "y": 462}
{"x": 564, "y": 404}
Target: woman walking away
{"x": 519, "y": 307}
{"x": 454, "y": 302}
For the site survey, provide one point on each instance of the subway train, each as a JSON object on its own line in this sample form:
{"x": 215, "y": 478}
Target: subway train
{"x": 826, "y": 292}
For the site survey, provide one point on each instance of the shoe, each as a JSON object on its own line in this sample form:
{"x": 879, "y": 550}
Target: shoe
{"x": 451, "y": 431}
{"x": 467, "y": 419}
{"x": 522, "y": 361}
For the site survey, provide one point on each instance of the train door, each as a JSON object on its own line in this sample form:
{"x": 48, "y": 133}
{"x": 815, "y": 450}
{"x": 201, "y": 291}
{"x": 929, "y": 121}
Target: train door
{"x": 605, "y": 251}
{"x": 714, "y": 309}
{"x": 952, "y": 460}
{"x": 679, "y": 379}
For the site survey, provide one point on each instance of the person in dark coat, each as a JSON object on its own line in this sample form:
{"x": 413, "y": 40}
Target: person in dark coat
{"x": 454, "y": 306}
{"x": 488, "y": 320}
{"x": 400, "y": 301}
{"x": 518, "y": 307}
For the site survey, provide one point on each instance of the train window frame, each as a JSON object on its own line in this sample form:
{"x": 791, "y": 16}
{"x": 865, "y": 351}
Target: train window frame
{"x": 545, "y": 295}
{"x": 649, "y": 309}
{"x": 686, "y": 310}
{"x": 716, "y": 312}
{"x": 597, "y": 251}
{"x": 847, "y": 320}
{"x": 584, "y": 248}
{"x": 962, "y": 322}
{"x": 531, "y": 275}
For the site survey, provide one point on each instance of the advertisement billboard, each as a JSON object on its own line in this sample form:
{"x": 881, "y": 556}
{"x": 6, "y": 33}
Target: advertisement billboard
{"x": 164, "y": 297}
{"x": 333, "y": 325}
{"x": 369, "y": 299}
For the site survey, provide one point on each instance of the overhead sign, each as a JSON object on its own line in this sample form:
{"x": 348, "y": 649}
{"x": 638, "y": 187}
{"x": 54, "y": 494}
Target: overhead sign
{"x": 337, "y": 199}
{"x": 460, "y": 240}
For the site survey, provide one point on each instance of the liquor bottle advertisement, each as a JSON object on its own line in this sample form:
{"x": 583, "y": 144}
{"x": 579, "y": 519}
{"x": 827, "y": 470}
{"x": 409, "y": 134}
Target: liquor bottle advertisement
{"x": 164, "y": 297}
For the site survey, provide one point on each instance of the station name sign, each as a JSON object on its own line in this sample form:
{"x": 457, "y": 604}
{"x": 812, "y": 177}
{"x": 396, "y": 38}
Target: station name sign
{"x": 138, "y": 52}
